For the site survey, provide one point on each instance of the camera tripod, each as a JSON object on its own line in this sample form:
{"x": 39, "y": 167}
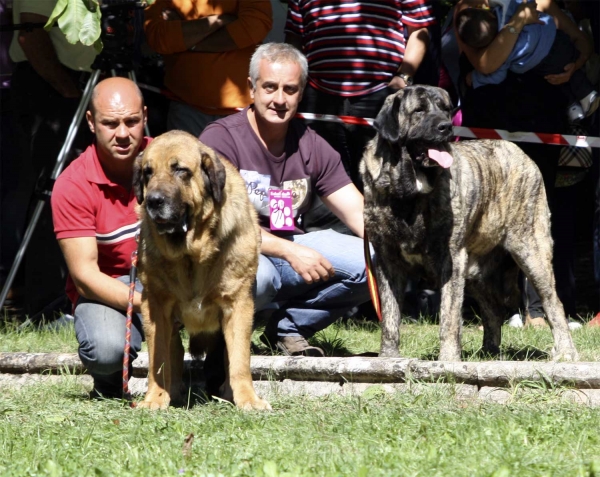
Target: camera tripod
{"x": 103, "y": 62}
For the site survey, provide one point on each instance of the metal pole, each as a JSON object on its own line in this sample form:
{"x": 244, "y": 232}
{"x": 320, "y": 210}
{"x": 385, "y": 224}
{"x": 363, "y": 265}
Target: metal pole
{"x": 60, "y": 163}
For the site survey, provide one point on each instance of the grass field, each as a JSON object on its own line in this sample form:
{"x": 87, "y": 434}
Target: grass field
{"x": 417, "y": 340}
{"x": 54, "y": 430}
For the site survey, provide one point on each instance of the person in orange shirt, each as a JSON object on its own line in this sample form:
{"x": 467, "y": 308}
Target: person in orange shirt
{"x": 206, "y": 45}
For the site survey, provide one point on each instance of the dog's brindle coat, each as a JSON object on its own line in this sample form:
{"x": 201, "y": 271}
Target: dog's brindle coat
{"x": 471, "y": 223}
{"x": 199, "y": 248}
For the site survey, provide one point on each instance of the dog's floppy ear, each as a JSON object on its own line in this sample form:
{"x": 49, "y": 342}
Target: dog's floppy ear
{"x": 387, "y": 123}
{"x": 213, "y": 173}
{"x": 138, "y": 179}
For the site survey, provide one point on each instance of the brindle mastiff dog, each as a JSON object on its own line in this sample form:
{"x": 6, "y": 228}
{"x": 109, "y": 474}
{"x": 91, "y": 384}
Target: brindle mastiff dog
{"x": 466, "y": 213}
{"x": 198, "y": 253}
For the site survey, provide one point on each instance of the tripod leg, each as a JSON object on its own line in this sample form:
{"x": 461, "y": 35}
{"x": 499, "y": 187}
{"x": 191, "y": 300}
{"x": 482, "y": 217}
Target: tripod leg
{"x": 60, "y": 163}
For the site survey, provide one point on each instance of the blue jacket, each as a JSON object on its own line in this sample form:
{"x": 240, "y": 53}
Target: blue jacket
{"x": 533, "y": 45}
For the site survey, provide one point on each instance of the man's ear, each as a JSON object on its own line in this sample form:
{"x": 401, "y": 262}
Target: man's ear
{"x": 90, "y": 120}
{"x": 145, "y": 115}
{"x": 251, "y": 88}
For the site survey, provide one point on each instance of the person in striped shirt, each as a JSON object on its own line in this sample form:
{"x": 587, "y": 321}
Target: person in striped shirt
{"x": 359, "y": 52}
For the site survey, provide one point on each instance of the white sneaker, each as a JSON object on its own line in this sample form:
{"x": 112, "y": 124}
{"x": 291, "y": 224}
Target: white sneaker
{"x": 515, "y": 321}
{"x": 575, "y": 113}
{"x": 590, "y": 103}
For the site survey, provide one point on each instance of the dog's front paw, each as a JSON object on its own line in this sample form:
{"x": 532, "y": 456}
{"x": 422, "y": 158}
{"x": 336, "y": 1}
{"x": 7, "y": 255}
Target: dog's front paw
{"x": 254, "y": 404}
{"x": 152, "y": 405}
{"x": 248, "y": 400}
{"x": 155, "y": 401}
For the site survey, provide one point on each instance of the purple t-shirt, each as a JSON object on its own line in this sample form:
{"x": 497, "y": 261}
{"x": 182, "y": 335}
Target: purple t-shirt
{"x": 308, "y": 165}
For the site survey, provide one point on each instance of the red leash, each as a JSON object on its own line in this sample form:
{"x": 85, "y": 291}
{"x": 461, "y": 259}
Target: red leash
{"x": 371, "y": 278}
{"x": 132, "y": 277}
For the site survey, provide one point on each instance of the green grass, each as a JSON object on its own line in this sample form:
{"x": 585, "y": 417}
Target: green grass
{"x": 417, "y": 340}
{"x": 54, "y": 430}
{"x": 29, "y": 339}
{"x": 421, "y": 340}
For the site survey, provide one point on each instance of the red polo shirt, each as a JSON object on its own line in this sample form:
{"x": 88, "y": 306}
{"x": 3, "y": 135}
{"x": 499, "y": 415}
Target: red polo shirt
{"x": 85, "y": 203}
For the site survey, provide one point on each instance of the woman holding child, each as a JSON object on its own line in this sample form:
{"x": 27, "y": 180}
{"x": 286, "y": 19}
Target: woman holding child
{"x": 523, "y": 99}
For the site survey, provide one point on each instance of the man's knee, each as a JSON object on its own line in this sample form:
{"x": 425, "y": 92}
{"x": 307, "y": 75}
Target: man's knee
{"x": 267, "y": 284}
{"x": 353, "y": 274}
{"x": 100, "y": 332}
{"x": 103, "y": 356}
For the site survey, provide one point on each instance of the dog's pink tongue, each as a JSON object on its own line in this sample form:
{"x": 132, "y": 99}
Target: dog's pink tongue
{"x": 441, "y": 157}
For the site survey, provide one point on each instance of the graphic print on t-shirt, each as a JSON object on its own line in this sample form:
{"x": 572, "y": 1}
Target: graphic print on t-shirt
{"x": 258, "y": 186}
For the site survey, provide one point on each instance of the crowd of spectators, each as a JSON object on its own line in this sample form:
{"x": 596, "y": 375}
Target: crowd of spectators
{"x": 358, "y": 52}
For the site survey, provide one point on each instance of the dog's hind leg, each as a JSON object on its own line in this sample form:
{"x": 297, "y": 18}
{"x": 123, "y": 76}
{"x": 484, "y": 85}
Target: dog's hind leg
{"x": 496, "y": 290}
{"x": 177, "y": 353}
{"x": 493, "y": 315}
{"x": 391, "y": 294}
{"x": 453, "y": 292}
{"x": 215, "y": 361}
{"x": 535, "y": 259}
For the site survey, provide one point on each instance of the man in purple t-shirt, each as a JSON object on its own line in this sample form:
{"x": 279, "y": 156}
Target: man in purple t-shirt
{"x": 310, "y": 279}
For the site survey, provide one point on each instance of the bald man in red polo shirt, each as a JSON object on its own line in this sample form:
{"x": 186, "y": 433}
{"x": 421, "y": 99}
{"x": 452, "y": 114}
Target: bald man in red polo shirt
{"x": 93, "y": 208}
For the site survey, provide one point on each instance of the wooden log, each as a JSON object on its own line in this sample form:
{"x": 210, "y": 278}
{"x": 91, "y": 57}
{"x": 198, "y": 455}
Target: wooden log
{"x": 22, "y": 363}
{"x": 354, "y": 369}
{"x": 465, "y": 372}
{"x": 581, "y": 375}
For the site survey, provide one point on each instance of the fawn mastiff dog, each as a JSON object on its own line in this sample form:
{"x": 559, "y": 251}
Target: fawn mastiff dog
{"x": 466, "y": 213}
{"x": 198, "y": 255}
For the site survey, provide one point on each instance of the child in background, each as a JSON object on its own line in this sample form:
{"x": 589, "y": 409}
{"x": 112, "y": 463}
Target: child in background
{"x": 540, "y": 48}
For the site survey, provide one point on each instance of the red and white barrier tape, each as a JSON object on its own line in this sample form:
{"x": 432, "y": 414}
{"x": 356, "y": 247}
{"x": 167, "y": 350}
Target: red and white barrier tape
{"x": 535, "y": 138}
{"x": 336, "y": 119}
{"x": 477, "y": 133}
{"x": 460, "y": 131}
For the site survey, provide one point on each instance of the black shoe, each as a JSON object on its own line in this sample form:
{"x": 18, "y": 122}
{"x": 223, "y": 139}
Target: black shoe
{"x": 105, "y": 394}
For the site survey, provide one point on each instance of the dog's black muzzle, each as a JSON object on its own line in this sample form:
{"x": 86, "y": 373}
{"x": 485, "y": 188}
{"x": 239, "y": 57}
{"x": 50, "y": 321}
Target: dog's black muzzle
{"x": 168, "y": 212}
{"x": 434, "y": 132}
{"x": 440, "y": 129}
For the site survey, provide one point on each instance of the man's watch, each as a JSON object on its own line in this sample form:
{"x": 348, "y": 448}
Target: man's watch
{"x": 407, "y": 78}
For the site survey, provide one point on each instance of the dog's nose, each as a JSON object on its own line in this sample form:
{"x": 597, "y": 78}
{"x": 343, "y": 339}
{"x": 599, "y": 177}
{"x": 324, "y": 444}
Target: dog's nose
{"x": 445, "y": 126}
{"x": 154, "y": 200}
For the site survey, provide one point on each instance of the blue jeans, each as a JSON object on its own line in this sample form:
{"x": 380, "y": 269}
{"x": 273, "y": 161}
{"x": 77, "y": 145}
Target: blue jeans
{"x": 302, "y": 308}
{"x": 100, "y": 332}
